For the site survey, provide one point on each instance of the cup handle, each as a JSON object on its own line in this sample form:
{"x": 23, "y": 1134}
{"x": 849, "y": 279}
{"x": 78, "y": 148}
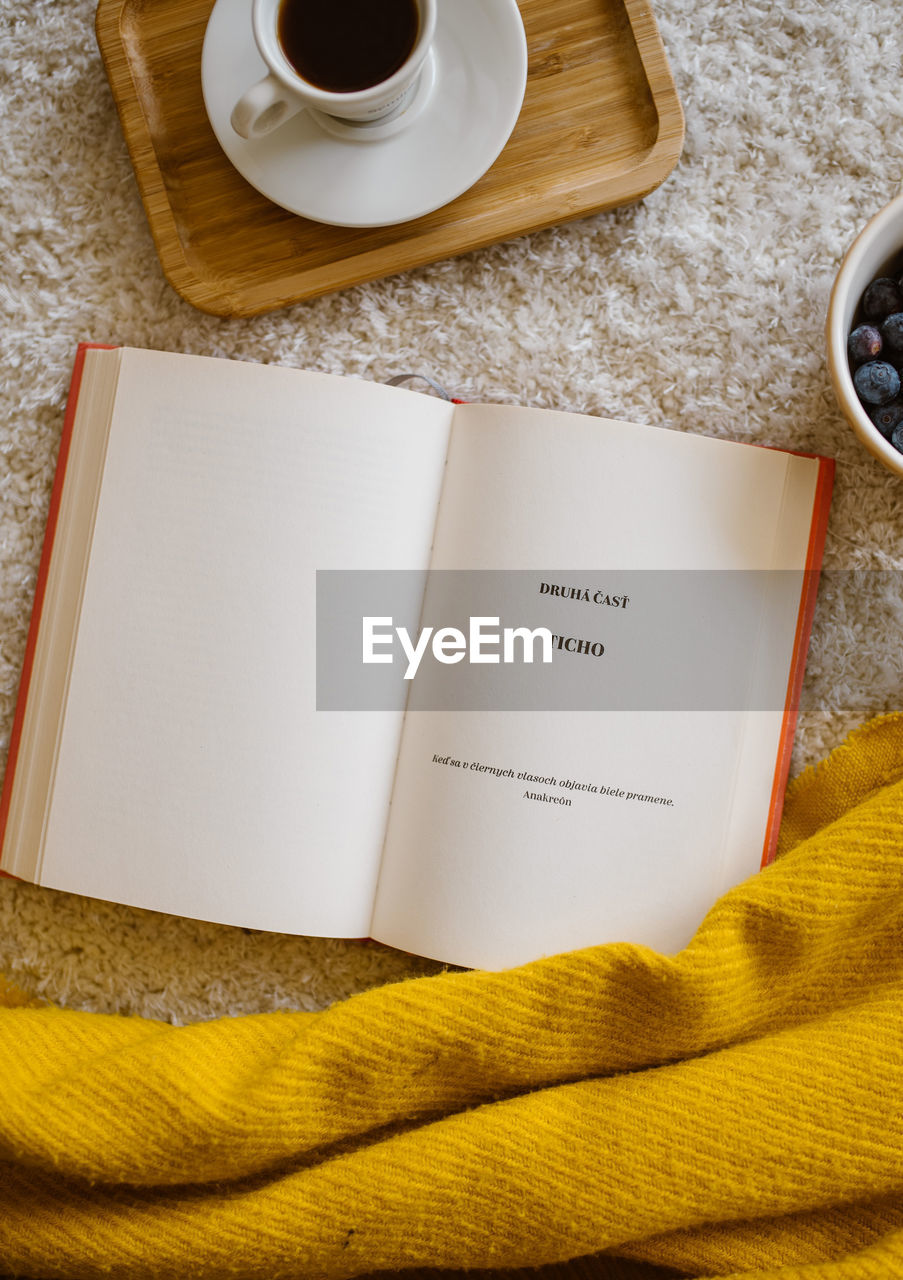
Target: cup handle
{"x": 262, "y": 108}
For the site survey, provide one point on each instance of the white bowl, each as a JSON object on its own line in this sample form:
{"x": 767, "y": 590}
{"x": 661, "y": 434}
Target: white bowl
{"x": 871, "y": 254}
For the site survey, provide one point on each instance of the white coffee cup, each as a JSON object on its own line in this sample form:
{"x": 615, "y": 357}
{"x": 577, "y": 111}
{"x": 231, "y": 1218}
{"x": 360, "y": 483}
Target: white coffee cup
{"x": 284, "y": 91}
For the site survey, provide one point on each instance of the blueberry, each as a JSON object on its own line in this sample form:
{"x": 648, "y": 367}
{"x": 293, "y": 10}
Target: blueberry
{"x": 877, "y": 382}
{"x": 887, "y": 417}
{"x": 897, "y": 439}
{"x": 882, "y": 297}
{"x": 864, "y": 344}
{"x": 892, "y": 333}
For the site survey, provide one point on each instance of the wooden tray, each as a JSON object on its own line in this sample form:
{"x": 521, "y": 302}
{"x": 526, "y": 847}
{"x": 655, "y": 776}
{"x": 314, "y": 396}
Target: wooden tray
{"x": 601, "y": 125}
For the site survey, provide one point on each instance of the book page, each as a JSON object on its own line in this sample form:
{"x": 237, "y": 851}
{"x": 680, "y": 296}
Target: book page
{"x": 616, "y": 794}
{"x": 194, "y": 774}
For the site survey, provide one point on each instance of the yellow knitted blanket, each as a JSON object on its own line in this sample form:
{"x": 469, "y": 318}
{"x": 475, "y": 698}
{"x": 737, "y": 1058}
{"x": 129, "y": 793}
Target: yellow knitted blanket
{"x": 734, "y": 1110}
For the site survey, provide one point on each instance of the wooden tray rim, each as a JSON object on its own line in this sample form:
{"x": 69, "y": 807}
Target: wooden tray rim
{"x": 210, "y": 295}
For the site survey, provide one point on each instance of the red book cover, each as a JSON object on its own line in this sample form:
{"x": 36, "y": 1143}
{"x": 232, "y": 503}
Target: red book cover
{"x": 41, "y": 586}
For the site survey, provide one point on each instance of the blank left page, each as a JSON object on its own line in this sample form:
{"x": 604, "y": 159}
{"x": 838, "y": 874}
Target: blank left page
{"x": 194, "y": 774}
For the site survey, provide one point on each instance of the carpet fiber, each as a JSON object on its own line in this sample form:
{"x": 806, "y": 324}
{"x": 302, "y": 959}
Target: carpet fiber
{"x": 701, "y": 309}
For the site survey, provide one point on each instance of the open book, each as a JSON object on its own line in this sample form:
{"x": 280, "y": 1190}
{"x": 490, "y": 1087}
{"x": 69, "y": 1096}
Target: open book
{"x": 178, "y": 743}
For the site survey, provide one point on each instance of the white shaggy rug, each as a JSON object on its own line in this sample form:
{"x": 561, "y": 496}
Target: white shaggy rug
{"x": 702, "y": 308}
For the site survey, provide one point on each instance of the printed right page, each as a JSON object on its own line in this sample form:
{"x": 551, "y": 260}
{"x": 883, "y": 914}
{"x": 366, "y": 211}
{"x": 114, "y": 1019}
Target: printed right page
{"x": 613, "y": 792}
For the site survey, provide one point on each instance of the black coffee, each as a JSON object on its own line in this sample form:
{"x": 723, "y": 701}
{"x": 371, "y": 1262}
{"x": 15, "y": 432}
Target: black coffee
{"x": 345, "y": 45}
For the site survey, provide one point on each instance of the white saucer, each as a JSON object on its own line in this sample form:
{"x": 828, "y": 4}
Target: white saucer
{"x": 480, "y": 72}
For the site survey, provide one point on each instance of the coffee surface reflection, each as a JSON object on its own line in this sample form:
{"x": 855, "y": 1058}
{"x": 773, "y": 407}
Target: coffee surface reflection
{"x": 344, "y": 46}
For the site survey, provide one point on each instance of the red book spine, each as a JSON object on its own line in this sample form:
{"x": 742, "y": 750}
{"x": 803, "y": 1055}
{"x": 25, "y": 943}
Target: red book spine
{"x": 41, "y": 586}
{"x": 814, "y": 554}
